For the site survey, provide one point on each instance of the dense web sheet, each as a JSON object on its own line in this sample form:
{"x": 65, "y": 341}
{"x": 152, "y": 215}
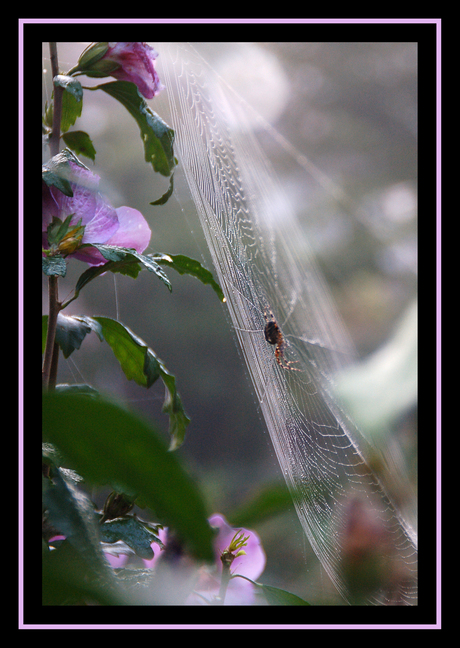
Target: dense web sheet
{"x": 263, "y": 265}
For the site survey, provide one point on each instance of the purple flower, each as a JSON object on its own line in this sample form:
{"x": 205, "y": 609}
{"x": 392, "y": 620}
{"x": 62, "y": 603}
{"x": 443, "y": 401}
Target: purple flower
{"x": 137, "y": 64}
{"x": 251, "y": 564}
{"x": 103, "y": 224}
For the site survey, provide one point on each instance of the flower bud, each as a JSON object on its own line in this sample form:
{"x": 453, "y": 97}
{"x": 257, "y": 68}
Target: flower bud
{"x": 92, "y": 64}
{"x": 71, "y": 241}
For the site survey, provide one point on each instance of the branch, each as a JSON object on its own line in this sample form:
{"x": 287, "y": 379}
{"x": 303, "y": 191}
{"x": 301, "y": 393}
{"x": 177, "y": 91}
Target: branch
{"x": 50, "y": 361}
{"x": 49, "y": 371}
{"x": 55, "y": 135}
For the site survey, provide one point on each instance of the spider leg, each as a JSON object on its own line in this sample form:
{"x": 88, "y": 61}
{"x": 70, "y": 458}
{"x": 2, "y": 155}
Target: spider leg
{"x": 287, "y": 365}
{"x": 280, "y": 359}
{"x": 273, "y": 335}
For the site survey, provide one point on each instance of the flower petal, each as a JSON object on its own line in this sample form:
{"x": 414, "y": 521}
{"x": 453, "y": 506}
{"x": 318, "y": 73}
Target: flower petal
{"x": 137, "y": 65}
{"x": 133, "y": 231}
{"x": 252, "y": 564}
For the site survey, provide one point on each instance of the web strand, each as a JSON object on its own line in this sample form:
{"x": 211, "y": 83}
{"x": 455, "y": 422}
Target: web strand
{"x": 264, "y": 265}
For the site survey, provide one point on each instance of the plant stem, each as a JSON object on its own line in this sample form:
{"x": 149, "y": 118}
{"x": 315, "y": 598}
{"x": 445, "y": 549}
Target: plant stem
{"x": 49, "y": 370}
{"x": 226, "y": 559}
{"x": 55, "y": 135}
{"x": 50, "y": 362}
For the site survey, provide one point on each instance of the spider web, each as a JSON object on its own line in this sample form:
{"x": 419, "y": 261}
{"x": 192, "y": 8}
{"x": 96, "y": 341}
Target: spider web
{"x": 264, "y": 265}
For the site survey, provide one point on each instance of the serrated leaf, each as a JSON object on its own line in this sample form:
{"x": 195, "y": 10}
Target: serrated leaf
{"x": 106, "y": 444}
{"x": 72, "y": 107}
{"x": 156, "y": 135}
{"x": 81, "y": 143}
{"x": 72, "y": 103}
{"x": 185, "y": 265}
{"x": 125, "y": 261}
{"x": 128, "y": 256}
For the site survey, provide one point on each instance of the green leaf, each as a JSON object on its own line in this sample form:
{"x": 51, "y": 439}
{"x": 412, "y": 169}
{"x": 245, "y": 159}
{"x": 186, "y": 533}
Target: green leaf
{"x": 185, "y": 265}
{"x": 178, "y": 419}
{"x": 70, "y": 85}
{"x": 137, "y": 360}
{"x": 134, "y": 532}
{"x": 275, "y": 595}
{"x": 70, "y": 511}
{"x": 108, "y": 445}
{"x": 129, "y": 350}
{"x": 71, "y": 111}
{"x": 156, "y": 135}
{"x": 81, "y": 143}
{"x": 56, "y": 171}
{"x": 71, "y": 330}
{"x": 129, "y": 268}
{"x": 44, "y": 331}
{"x": 122, "y": 260}
{"x": 82, "y": 389}
{"x": 72, "y": 104}
{"x": 126, "y": 261}
{"x": 167, "y": 195}
{"x": 63, "y": 237}
{"x": 54, "y": 180}
{"x": 54, "y": 265}
{"x": 70, "y": 333}
{"x": 57, "y": 229}
{"x": 139, "y": 363}
{"x": 47, "y": 119}
{"x": 68, "y": 579}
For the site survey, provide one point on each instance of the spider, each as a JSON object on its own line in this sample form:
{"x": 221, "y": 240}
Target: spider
{"x": 273, "y": 335}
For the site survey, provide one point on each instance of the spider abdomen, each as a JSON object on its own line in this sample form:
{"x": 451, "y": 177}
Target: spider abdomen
{"x": 272, "y": 332}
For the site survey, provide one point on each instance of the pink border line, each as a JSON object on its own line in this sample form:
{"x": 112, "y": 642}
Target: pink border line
{"x": 386, "y": 21}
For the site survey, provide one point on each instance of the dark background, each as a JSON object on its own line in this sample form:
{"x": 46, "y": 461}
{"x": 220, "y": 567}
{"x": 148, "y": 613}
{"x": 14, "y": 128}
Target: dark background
{"x": 351, "y": 108}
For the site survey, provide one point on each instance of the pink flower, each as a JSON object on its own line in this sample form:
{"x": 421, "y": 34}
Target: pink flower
{"x": 137, "y": 65}
{"x": 251, "y": 564}
{"x": 103, "y": 224}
